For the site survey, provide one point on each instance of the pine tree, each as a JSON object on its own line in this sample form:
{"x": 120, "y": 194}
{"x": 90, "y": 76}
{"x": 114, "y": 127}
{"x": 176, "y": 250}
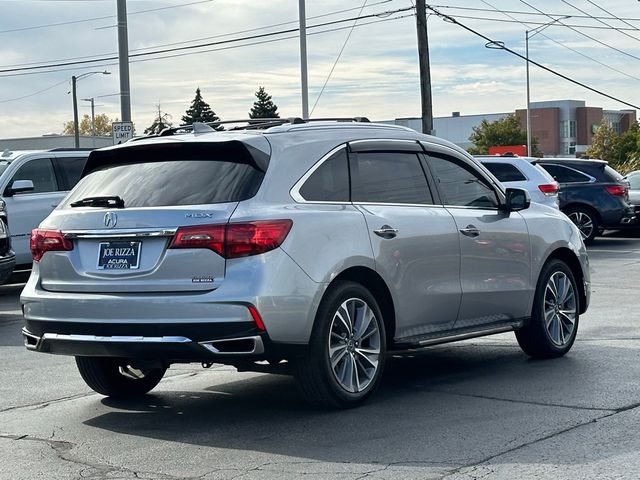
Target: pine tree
{"x": 263, "y": 107}
{"x": 159, "y": 123}
{"x": 200, "y": 111}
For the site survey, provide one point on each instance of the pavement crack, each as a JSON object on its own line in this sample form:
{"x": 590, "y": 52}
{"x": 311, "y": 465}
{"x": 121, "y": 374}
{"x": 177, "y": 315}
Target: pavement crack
{"x": 528, "y": 402}
{"x": 39, "y": 405}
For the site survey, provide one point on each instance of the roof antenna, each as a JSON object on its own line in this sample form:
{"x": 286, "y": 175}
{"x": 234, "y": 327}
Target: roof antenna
{"x": 199, "y": 127}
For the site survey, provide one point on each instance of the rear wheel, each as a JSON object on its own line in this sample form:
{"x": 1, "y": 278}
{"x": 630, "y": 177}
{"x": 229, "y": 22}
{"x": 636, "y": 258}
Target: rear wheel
{"x": 554, "y": 320}
{"x": 586, "y": 221}
{"x": 346, "y": 351}
{"x": 116, "y": 378}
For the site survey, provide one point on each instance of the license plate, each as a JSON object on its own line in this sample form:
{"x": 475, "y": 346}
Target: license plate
{"x": 119, "y": 255}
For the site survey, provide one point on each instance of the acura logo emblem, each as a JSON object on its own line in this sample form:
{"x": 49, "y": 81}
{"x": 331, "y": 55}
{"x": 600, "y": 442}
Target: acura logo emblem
{"x": 110, "y": 219}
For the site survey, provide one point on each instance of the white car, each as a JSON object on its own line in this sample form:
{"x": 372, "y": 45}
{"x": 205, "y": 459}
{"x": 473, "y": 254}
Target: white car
{"x": 32, "y": 184}
{"x": 519, "y": 172}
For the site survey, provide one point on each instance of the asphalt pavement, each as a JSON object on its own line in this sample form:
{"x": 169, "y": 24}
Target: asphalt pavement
{"x": 469, "y": 410}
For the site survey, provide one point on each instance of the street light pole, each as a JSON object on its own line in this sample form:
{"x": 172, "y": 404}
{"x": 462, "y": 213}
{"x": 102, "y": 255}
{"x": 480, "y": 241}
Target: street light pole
{"x": 527, "y": 35}
{"x": 93, "y": 119}
{"x": 76, "y": 129}
{"x": 76, "y": 126}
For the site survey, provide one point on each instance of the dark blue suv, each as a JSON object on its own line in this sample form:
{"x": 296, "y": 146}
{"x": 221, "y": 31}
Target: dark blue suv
{"x": 592, "y": 194}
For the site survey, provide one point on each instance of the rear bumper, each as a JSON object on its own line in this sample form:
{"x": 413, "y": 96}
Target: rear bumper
{"x": 167, "y": 349}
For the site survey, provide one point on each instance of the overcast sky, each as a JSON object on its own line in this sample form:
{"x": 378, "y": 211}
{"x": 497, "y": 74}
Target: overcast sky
{"x": 376, "y": 76}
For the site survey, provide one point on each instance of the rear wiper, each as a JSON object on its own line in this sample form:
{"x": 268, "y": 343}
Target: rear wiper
{"x": 113, "y": 201}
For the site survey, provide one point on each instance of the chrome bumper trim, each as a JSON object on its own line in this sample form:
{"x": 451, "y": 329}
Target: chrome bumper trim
{"x": 258, "y": 346}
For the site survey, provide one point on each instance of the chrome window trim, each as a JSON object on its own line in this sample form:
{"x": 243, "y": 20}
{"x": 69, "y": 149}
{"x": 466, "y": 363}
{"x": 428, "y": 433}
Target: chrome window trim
{"x": 130, "y": 233}
{"x": 295, "y": 190}
{"x": 590, "y": 178}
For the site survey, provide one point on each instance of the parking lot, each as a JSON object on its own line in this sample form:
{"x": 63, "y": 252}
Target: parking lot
{"x": 473, "y": 409}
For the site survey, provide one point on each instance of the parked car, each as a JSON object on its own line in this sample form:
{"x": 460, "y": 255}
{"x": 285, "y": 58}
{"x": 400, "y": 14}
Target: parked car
{"x": 305, "y": 248}
{"x": 592, "y": 194}
{"x": 7, "y": 257}
{"x": 32, "y": 184}
{"x": 634, "y": 191}
{"x": 519, "y": 172}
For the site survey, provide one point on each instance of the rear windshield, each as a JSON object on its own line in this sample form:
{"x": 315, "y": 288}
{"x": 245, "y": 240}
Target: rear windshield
{"x": 146, "y": 179}
{"x": 505, "y": 172}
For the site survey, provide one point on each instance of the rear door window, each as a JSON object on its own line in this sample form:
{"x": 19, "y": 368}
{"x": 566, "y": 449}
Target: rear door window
{"x": 181, "y": 175}
{"x": 69, "y": 170}
{"x": 40, "y": 172}
{"x": 505, "y": 172}
{"x": 330, "y": 181}
{"x": 388, "y": 177}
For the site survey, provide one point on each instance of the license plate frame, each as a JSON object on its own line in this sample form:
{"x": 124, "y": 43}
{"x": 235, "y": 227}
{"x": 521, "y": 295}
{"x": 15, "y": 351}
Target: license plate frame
{"x": 119, "y": 255}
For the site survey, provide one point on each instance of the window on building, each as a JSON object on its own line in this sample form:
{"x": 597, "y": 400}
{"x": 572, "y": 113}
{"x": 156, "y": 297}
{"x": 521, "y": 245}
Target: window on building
{"x": 564, "y": 129}
{"x": 572, "y": 128}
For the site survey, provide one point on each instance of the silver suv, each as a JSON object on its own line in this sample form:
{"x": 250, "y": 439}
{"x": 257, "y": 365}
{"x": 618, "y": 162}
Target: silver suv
{"x": 32, "y": 184}
{"x": 304, "y": 248}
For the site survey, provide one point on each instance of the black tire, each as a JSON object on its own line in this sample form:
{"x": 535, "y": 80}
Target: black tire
{"x": 537, "y": 339}
{"x": 587, "y": 221}
{"x": 103, "y": 375}
{"x": 315, "y": 375}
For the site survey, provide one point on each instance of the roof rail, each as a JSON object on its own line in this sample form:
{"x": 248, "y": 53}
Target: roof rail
{"x": 255, "y": 124}
{"x": 70, "y": 149}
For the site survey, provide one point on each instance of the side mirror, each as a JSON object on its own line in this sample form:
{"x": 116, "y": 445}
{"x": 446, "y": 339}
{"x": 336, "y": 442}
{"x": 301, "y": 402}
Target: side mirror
{"x": 516, "y": 199}
{"x": 19, "y": 186}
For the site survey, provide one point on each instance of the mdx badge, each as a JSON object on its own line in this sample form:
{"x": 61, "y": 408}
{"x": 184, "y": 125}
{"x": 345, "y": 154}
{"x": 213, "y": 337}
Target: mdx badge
{"x": 199, "y": 215}
{"x": 110, "y": 219}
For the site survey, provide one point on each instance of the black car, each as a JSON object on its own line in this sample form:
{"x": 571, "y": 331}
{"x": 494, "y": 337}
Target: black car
{"x": 592, "y": 194}
{"x": 7, "y": 257}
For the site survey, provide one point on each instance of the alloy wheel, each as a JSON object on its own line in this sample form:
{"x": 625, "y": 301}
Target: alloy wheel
{"x": 354, "y": 345}
{"x": 560, "y": 308}
{"x": 584, "y": 223}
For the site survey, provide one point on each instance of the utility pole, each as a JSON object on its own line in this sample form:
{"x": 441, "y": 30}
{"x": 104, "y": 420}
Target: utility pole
{"x": 76, "y": 127}
{"x": 303, "y": 58}
{"x": 123, "y": 58}
{"x": 425, "y": 69}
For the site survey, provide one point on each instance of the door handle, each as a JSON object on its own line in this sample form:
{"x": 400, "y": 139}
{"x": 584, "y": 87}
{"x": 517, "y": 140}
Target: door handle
{"x": 386, "y": 231}
{"x": 470, "y": 231}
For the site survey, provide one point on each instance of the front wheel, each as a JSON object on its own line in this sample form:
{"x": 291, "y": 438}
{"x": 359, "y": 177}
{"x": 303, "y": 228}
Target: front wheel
{"x": 346, "y": 351}
{"x": 116, "y": 378}
{"x": 556, "y": 311}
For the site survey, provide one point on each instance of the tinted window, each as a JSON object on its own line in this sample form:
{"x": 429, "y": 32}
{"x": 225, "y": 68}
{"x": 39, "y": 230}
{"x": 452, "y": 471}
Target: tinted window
{"x": 175, "y": 182}
{"x": 460, "y": 185}
{"x": 505, "y": 172}
{"x": 40, "y": 172}
{"x": 330, "y": 182}
{"x": 388, "y": 177}
{"x": 565, "y": 175}
{"x": 69, "y": 171}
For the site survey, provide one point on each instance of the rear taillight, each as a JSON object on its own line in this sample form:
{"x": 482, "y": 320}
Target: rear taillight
{"x": 549, "y": 188}
{"x": 234, "y": 240}
{"x": 617, "y": 190}
{"x": 43, "y": 241}
{"x": 256, "y": 318}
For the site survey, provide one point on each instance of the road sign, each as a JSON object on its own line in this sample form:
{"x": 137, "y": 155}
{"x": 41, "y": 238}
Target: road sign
{"x": 122, "y": 131}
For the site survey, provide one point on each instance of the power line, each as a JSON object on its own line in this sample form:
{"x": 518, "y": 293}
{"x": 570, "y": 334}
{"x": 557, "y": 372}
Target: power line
{"x": 201, "y": 45}
{"x": 500, "y": 45}
{"x": 584, "y": 34}
{"x": 105, "y": 17}
{"x": 346, "y": 40}
{"x": 266, "y": 27}
{"x": 562, "y": 44}
{"x": 34, "y": 93}
{"x": 613, "y": 15}
{"x": 520, "y": 12}
{"x": 602, "y": 21}
{"x": 229, "y": 47}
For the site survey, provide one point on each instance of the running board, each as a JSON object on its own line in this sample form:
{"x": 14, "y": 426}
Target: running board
{"x": 429, "y": 340}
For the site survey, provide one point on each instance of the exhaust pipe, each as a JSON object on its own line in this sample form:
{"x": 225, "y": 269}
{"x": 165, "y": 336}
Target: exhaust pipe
{"x": 235, "y": 346}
